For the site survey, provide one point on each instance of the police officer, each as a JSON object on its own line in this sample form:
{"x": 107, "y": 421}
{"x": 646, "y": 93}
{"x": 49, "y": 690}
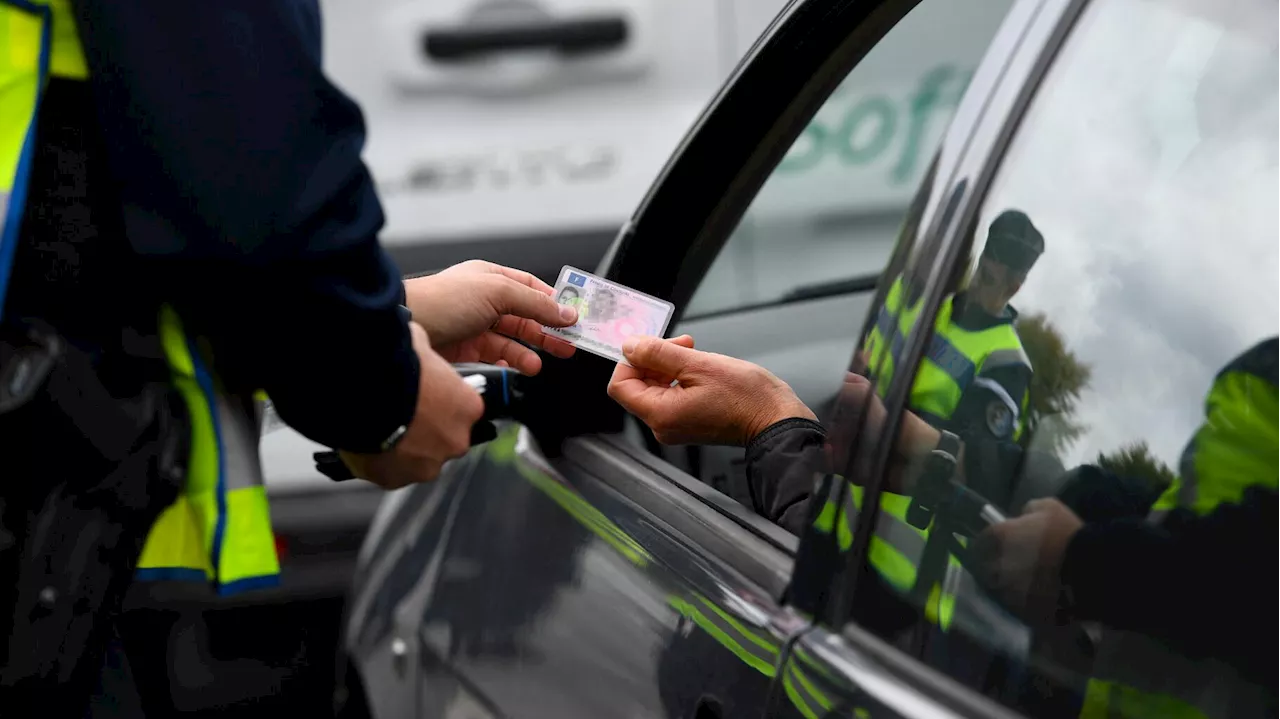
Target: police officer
{"x": 975, "y": 375}
{"x": 973, "y": 386}
{"x": 185, "y": 221}
{"x": 1182, "y": 592}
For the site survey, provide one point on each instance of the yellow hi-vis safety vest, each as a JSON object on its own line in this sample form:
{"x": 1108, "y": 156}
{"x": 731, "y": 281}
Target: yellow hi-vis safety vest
{"x": 1237, "y": 447}
{"x": 219, "y": 530}
{"x": 955, "y": 360}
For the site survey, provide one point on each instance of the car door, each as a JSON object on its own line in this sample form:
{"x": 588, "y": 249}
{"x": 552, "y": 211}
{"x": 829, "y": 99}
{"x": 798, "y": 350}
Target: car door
{"x": 570, "y": 570}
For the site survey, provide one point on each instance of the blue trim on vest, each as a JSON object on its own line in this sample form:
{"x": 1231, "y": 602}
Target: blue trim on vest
{"x": 248, "y": 583}
{"x": 170, "y": 574}
{"x": 951, "y": 360}
{"x": 18, "y": 196}
{"x": 30, "y": 7}
{"x": 941, "y": 352}
{"x": 187, "y": 574}
{"x": 205, "y": 381}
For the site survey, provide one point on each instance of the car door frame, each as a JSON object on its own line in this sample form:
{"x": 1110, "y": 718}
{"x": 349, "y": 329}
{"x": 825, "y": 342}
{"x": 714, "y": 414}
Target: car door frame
{"x": 971, "y": 153}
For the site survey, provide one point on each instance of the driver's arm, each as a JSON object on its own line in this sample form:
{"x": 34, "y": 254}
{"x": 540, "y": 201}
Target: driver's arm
{"x": 781, "y": 464}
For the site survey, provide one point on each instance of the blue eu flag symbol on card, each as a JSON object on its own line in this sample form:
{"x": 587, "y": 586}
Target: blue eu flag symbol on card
{"x": 577, "y": 279}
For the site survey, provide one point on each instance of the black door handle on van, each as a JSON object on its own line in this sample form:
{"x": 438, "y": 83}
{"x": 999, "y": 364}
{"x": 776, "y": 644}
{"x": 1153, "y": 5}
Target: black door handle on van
{"x": 567, "y": 37}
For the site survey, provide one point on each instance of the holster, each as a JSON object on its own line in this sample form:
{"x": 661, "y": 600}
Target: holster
{"x": 95, "y": 447}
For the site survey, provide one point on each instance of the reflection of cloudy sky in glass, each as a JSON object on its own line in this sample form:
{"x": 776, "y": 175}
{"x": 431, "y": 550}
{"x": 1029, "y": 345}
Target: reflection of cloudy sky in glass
{"x": 1150, "y": 165}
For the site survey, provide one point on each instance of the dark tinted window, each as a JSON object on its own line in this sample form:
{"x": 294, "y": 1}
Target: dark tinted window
{"x": 1107, "y": 359}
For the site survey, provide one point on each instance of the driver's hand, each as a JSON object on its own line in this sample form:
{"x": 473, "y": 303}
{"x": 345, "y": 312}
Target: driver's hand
{"x": 1020, "y": 559}
{"x": 439, "y": 431}
{"x": 717, "y": 399}
{"x": 475, "y": 311}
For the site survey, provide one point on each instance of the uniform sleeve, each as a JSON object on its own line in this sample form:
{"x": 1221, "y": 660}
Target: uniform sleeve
{"x": 1200, "y": 583}
{"x": 781, "y": 462}
{"x": 992, "y": 403}
{"x": 238, "y": 169}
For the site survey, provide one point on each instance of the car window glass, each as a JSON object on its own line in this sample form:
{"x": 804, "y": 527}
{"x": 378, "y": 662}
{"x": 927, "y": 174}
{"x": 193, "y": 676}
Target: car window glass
{"x": 830, "y": 210}
{"x": 1106, "y": 361}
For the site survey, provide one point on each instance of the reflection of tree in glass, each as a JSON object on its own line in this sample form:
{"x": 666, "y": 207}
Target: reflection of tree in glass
{"x": 1059, "y": 378}
{"x": 1136, "y": 461}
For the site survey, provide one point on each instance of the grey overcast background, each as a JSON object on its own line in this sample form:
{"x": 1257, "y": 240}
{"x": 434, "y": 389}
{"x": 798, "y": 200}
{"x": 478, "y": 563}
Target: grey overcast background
{"x": 1154, "y": 180}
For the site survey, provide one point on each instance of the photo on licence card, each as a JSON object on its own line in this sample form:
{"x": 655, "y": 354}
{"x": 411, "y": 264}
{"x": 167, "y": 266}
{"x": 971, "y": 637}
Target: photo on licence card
{"x": 608, "y": 313}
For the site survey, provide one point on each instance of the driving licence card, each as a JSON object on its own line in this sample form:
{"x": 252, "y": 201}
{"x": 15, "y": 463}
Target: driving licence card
{"x": 608, "y": 313}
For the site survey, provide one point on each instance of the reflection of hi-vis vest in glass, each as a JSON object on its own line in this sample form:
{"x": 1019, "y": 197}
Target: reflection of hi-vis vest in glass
{"x": 1237, "y": 447}
{"x": 954, "y": 360}
{"x": 219, "y": 529}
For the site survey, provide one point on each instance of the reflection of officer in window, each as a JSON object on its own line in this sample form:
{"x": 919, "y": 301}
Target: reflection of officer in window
{"x": 981, "y": 326}
{"x": 975, "y": 376}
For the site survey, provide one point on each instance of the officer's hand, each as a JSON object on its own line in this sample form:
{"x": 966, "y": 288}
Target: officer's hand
{"x": 1020, "y": 560}
{"x": 719, "y": 399}
{"x": 472, "y": 310}
{"x": 440, "y": 429}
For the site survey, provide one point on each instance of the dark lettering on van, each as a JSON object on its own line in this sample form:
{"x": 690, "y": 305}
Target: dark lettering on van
{"x": 500, "y": 171}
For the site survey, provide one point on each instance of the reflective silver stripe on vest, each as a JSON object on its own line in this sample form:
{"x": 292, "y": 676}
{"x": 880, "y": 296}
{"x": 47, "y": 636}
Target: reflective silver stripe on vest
{"x": 1141, "y": 664}
{"x": 995, "y": 388}
{"x": 889, "y": 529}
{"x": 974, "y": 613}
{"x": 238, "y": 432}
{"x": 1005, "y": 358}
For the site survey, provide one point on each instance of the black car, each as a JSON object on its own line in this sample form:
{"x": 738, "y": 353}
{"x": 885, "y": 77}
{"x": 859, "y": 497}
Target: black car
{"x": 574, "y": 567}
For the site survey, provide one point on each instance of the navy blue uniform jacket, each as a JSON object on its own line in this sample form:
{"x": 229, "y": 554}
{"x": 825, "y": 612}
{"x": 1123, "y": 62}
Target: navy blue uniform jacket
{"x": 235, "y": 180}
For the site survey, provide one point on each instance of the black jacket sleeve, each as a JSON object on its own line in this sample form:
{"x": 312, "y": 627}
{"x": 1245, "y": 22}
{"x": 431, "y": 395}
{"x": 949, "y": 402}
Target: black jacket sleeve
{"x": 1203, "y": 584}
{"x": 237, "y": 165}
{"x": 781, "y": 462}
{"x": 1097, "y": 495}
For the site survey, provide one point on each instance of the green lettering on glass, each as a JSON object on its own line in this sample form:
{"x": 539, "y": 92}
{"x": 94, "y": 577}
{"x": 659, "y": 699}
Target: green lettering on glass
{"x": 874, "y": 109}
{"x": 938, "y": 90}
